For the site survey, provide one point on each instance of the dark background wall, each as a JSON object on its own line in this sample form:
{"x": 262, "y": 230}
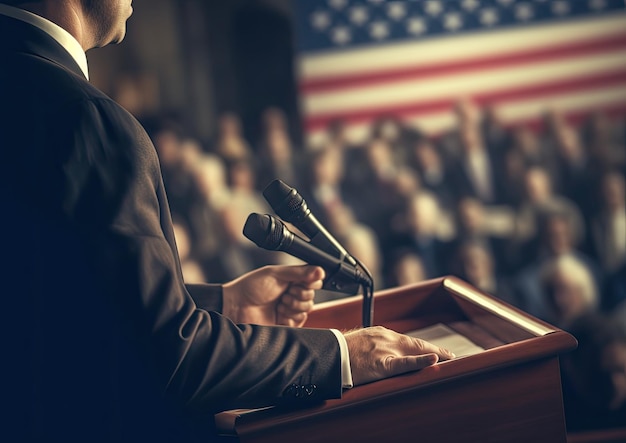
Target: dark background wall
{"x": 199, "y": 58}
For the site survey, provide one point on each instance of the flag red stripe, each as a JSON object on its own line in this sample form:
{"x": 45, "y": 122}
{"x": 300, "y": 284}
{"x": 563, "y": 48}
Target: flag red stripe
{"x": 615, "y": 78}
{"x": 342, "y": 82}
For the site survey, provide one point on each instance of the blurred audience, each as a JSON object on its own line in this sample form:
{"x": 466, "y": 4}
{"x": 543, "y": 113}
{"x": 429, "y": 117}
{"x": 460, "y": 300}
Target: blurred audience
{"x": 276, "y": 154}
{"x": 532, "y": 214}
{"x": 527, "y": 143}
{"x": 426, "y": 159}
{"x": 604, "y": 138}
{"x": 425, "y": 232}
{"x": 395, "y": 134}
{"x": 468, "y": 117}
{"x": 573, "y": 167}
{"x": 357, "y": 238}
{"x": 191, "y": 268}
{"x": 206, "y": 224}
{"x": 169, "y": 137}
{"x": 476, "y": 170}
{"x": 384, "y": 190}
{"x": 405, "y": 267}
{"x": 230, "y": 143}
{"x": 570, "y": 289}
{"x": 242, "y": 255}
{"x": 496, "y": 134}
{"x": 608, "y": 224}
{"x": 556, "y": 238}
{"x": 323, "y": 184}
{"x": 540, "y": 200}
{"x": 594, "y": 375}
{"x": 488, "y": 225}
{"x": 474, "y": 262}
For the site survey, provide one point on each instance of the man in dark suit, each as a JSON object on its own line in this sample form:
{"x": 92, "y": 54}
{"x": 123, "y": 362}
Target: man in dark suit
{"x": 98, "y": 327}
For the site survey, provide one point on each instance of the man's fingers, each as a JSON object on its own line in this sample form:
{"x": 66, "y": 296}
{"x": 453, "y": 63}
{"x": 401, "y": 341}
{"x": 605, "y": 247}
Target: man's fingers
{"x": 299, "y": 293}
{"x": 306, "y": 276}
{"x": 296, "y": 300}
{"x": 294, "y": 304}
{"x": 290, "y": 304}
{"x": 293, "y": 320}
{"x": 427, "y": 347}
{"x": 410, "y": 363}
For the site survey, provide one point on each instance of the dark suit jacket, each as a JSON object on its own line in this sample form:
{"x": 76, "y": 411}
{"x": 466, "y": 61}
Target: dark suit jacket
{"x": 97, "y": 324}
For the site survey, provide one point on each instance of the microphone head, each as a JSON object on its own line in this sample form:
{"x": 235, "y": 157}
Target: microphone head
{"x": 285, "y": 200}
{"x": 265, "y": 231}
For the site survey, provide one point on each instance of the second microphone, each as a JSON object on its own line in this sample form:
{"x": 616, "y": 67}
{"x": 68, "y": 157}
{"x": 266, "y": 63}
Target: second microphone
{"x": 270, "y": 233}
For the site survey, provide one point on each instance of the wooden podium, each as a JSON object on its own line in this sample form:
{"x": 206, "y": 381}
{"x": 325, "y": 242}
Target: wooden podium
{"x": 510, "y": 392}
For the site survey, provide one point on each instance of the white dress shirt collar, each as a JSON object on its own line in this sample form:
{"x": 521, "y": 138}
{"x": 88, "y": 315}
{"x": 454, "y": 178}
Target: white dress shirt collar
{"x": 63, "y": 37}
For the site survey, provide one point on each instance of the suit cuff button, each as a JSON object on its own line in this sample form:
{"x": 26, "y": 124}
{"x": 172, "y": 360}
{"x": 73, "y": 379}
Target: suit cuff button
{"x": 296, "y": 390}
{"x": 292, "y": 391}
{"x": 310, "y": 389}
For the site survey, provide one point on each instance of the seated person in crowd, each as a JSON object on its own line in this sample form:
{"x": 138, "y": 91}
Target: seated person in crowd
{"x": 594, "y": 375}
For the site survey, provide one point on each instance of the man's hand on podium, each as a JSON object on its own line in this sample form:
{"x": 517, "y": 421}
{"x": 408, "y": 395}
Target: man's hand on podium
{"x": 377, "y": 353}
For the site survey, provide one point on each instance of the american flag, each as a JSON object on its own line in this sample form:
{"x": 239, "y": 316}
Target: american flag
{"x": 362, "y": 59}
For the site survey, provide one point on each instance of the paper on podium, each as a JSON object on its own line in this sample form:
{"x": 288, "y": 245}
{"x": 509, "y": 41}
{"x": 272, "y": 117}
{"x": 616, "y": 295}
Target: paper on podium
{"x": 446, "y": 337}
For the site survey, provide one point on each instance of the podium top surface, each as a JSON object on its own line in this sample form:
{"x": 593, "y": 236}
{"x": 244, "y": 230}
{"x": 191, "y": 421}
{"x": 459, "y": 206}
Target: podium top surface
{"x": 448, "y": 298}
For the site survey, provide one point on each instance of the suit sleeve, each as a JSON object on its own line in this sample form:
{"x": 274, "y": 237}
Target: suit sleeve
{"x": 116, "y": 200}
{"x": 206, "y": 296}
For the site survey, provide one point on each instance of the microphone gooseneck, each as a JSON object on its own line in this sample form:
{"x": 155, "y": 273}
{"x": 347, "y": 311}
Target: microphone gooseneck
{"x": 290, "y": 206}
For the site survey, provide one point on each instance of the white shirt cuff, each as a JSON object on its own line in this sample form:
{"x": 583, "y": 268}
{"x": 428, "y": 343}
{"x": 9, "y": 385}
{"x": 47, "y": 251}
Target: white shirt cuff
{"x": 346, "y": 371}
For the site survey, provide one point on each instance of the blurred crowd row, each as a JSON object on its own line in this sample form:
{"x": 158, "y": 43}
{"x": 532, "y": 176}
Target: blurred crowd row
{"x": 533, "y": 214}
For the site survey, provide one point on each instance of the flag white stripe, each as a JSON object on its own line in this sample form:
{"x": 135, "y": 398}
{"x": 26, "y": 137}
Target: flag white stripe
{"x": 453, "y": 85}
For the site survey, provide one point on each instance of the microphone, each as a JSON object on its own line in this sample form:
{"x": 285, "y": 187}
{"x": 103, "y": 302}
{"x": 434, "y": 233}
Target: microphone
{"x": 291, "y": 207}
{"x": 271, "y": 233}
